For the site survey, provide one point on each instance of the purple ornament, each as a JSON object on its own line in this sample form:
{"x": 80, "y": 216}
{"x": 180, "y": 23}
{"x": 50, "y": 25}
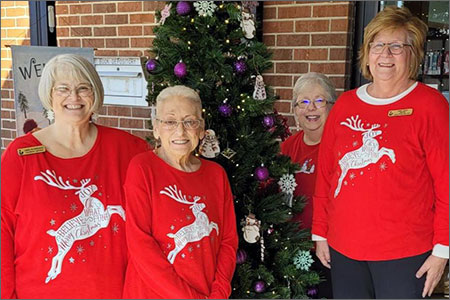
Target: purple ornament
{"x": 268, "y": 121}
{"x": 151, "y": 65}
{"x": 259, "y": 286}
{"x": 225, "y": 110}
{"x": 180, "y": 70}
{"x": 312, "y": 292}
{"x": 240, "y": 66}
{"x": 241, "y": 256}
{"x": 261, "y": 173}
{"x": 183, "y": 8}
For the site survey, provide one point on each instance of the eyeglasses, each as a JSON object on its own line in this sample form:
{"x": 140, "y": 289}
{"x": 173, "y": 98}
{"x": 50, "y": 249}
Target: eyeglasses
{"x": 394, "y": 48}
{"x": 304, "y": 103}
{"x": 82, "y": 90}
{"x": 187, "y": 124}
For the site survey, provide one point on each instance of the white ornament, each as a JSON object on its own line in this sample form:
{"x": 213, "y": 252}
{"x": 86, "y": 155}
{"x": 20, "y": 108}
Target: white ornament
{"x": 251, "y": 229}
{"x": 165, "y": 13}
{"x": 248, "y": 25}
{"x": 209, "y": 147}
{"x": 287, "y": 184}
{"x": 303, "y": 260}
{"x": 205, "y": 8}
{"x": 260, "y": 91}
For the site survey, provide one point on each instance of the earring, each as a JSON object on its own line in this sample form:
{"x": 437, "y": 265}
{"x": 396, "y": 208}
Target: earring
{"x": 50, "y": 115}
{"x": 94, "y": 117}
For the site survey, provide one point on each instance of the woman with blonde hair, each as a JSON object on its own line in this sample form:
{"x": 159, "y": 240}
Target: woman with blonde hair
{"x": 380, "y": 217}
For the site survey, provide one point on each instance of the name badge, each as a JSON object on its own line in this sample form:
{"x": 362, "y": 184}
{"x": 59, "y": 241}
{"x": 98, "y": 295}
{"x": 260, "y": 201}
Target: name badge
{"x": 31, "y": 150}
{"x": 400, "y": 112}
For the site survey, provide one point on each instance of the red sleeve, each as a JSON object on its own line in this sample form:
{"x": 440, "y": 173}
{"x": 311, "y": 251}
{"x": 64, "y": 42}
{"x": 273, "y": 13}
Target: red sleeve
{"x": 323, "y": 180}
{"x": 144, "y": 250}
{"x": 435, "y": 136}
{"x": 226, "y": 259}
{"x": 11, "y": 175}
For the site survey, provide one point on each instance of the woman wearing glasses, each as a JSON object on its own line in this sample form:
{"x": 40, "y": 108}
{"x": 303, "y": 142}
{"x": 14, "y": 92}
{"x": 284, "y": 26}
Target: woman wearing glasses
{"x": 62, "y": 204}
{"x": 181, "y": 227}
{"x": 313, "y": 96}
{"x": 381, "y": 201}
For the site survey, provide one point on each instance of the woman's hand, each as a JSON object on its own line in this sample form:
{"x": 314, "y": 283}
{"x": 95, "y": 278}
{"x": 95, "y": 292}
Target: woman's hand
{"x": 434, "y": 267}
{"x": 323, "y": 253}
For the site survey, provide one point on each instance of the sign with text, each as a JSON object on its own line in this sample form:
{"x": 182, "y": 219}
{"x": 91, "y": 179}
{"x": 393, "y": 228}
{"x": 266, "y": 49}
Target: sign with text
{"x": 28, "y": 63}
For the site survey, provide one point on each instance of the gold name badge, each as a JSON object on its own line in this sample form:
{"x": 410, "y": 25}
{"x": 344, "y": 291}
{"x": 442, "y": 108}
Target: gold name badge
{"x": 31, "y": 150}
{"x": 400, "y": 112}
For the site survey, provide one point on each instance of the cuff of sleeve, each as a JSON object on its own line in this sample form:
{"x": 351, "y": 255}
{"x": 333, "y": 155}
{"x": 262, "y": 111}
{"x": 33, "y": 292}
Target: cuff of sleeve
{"x": 316, "y": 238}
{"x": 440, "y": 251}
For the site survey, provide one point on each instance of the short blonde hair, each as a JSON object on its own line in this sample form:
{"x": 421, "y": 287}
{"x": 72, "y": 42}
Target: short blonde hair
{"x": 180, "y": 91}
{"x": 315, "y": 78}
{"x": 393, "y": 18}
{"x": 80, "y": 69}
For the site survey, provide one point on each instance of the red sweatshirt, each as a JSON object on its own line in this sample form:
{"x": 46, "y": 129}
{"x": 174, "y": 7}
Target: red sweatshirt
{"x": 382, "y": 188}
{"x": 62, "y": 220}
{"x": 181, "y": 231}
{"x": 306, "y": 156}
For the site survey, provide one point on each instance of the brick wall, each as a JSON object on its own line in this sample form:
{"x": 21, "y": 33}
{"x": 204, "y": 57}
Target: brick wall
{"x": 307, "y": 37}
{"x": 304, "y": 36}
{"x": 15, "y": 23}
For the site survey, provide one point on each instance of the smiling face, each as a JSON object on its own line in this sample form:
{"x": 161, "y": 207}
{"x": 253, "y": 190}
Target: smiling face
{"x": 386, "y": 67}
{"x": 311, "y": 118}
{"x": 178, "y": 142}
{"x": 72, "y": 99}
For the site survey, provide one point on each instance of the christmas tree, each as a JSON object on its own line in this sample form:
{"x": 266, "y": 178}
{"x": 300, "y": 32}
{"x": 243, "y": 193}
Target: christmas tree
{"x": 211, "y": 47}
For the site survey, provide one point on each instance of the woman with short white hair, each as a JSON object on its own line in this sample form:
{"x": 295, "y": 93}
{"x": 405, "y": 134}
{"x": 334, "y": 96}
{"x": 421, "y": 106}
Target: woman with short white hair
{"x": 181, "y": 226}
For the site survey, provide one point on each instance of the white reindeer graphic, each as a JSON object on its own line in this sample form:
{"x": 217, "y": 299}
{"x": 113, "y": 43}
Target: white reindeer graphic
{"x": 193, "y": 232}
{"x": 367, "y": 154}
{"x": 86, "y": 224}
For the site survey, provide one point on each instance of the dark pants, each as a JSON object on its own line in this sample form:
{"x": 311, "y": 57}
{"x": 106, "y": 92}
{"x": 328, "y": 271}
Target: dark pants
{"x": 323, "y": 289}
{"x": 393, "y": 279}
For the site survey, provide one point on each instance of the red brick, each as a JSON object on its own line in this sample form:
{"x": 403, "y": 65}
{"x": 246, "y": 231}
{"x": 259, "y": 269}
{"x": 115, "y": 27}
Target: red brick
{"x": 8, "y": 23}
{"x": 130, "y": 53}
{"x": 141, "y": 42}
{"x": 269, "y": 13}
{"x": 105, "y": 31}
{"x": 69, "y": 42}
{"x": 294, "y": 12}
{"x": 117, "y": 43}
{"x": 103, "y": 111}
{"x": 129, "y": 6}
{"x": 148, "y": 30}
{"x": 336, "y": 39}
{"x": 336, "y": 10}
{"x": 340, "y": 25}
{"x": 269, "y": 40}
{"x": 104, "y": 8}
{"x": 142, "y": 18}
{"x": 62, "y": 32}
{"x": 277, "y": 2}
{"x": 15, "y": 12}
{"x": 131, "y": 123}
{"x": 5, "y": 95}
{"x": 81, "y": 9}
{"x": 68, "y": 20}
{"x": 312, "y": 26}
{"x": 143, "y": 134}
{"x": 270, "y": 70}
{"x": 17, "y": 33}
{"x": 9, "y": 124}
{"x": 7, "y": 84}
{"x": 293, "y": 40}
{"x": 13, "y": 115}
{"x": 291, "y": 67}
{"x": 283, "y": 106}
{"x": 285, "y": 94}
{"x": 291, "y": 121}
{"x": 93, "y": 43}
{"x": 81, "y": 31}
{"x": 6, "y": 143}
{"x": 112, "y": 122}
{"x": 6, "y": 134}
{"x": 61, "y": 9}
{"x": 153, "y": 5}
{"x": 91, "y": 20}
{"x": 26, "y": 42}
{"x": 130, "y": 30}
{"x": 23, "y": 22}
{"x": 116, "y": 19}
{"x": 278, "y": 80}
{"x": 328, "y": 68}
{"x": 139, "y": 112}
{"x": 8, "y": 3}
{"x": 6, "y": 114}
{"x": 278, "y": 26}
{"x": 339, "y": 82}
{"x": 282, "y": 54}
{"x": 310, "y": 54}
{"x": 105, "y": 52}
{"x": 339, "y": 54}
{"x": 119, "y": 111}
